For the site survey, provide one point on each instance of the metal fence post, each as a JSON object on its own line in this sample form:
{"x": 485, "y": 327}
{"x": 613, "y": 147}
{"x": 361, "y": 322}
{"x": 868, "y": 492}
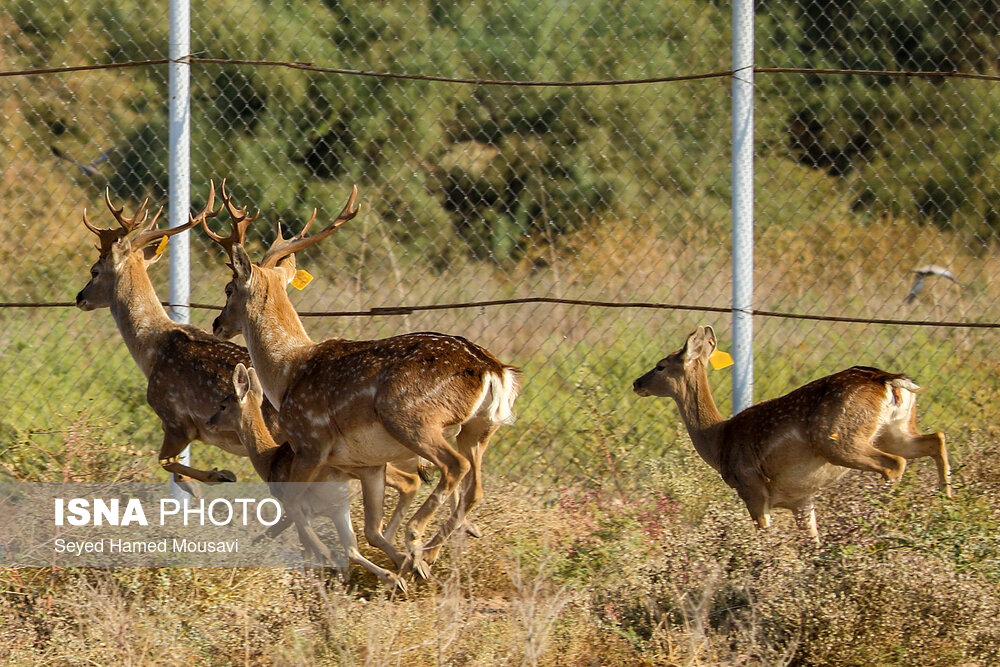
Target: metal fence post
{"x": 180, "y": 173}
{"x": 742, "y": 184}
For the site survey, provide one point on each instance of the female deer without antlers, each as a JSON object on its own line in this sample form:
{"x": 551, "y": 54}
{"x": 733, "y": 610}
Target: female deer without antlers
{"x": 329, "y": 496}
{"x": 781, "y": 452}
{"x": 357, "y": 405}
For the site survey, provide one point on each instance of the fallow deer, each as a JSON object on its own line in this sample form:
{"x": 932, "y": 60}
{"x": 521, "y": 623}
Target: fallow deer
{"x": 188, "y": 371}
{"x": 781, "y": 452}
{"x": 329, "y": 495}
{"x": 357, "y": 405}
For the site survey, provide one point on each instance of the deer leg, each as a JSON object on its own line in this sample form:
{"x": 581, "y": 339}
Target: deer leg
{"x": 758, "y": 505}
{"x": 471, "y": 442}
{"x": 916, "y": 445}
{"x": 305, "y": 467}
{"x": 373, "y": 497}
{"x": 274, "y": 530}
{"x": 805, "y": 519}
{"x": 341, "y": 516}
{"x": 470, "y": 528}
{"x": 312, "y": 544}
{"x": 174, "y": 442}
{"x": 861, "y": 455}
{"x": 429, "y": 442}
{"x": 406, "y": 484}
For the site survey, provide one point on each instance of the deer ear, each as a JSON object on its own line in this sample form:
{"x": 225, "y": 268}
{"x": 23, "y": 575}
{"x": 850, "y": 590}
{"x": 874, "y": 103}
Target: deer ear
{"x": 120, "y": 250}
{"x": 710, "y": 340}
{"x": 700, "y": 345}
{"x": 242, "y": 266}
{"x": 241, "y": 382}
{"x": 255, "y": 387}
{"x": 150, "y": 255}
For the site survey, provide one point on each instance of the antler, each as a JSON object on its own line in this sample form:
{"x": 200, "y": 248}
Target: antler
{"x": 283, "y": 247}
{"x": 149, "y": 233}
{"x": 239, "y": 219}
{"x": 108, "y": 237}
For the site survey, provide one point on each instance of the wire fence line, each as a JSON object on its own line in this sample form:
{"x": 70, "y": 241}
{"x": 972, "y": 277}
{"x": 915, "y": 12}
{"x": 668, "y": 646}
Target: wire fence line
{"x": 537, "y": 185}
{"x": 312, "y": 67}
{"x": 408, "y": 310}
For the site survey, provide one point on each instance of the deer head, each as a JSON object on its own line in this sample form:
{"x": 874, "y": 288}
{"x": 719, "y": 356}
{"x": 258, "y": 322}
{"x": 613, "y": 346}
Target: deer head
{"x": 246, "y": 387}
{"x": 670, "y": 376}
{"x": 251, "y": 284}
{"x": 131, "y": 245}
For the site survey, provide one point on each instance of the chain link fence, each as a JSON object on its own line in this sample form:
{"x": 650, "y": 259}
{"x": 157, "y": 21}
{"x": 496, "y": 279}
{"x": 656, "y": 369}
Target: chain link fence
{"x": 609, "y": 193}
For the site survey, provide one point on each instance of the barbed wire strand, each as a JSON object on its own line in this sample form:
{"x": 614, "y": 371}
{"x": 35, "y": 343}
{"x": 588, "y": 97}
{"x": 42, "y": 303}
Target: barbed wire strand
{"x": 307, "y": 66}
{"x": 385, "y": 311}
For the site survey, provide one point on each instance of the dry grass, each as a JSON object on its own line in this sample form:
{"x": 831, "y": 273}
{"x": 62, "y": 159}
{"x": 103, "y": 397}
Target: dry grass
{"x": 664, "y": 569}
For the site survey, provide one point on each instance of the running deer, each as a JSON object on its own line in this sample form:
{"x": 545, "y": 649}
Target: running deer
{"x": 188, "y": 371}
{"x": 329, "y": 495}
{"x": 357, "y": 405}
{"x": 781, "y": 452}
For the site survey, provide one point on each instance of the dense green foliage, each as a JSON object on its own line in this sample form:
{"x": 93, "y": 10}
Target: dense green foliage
{"x": 493, "y": 169}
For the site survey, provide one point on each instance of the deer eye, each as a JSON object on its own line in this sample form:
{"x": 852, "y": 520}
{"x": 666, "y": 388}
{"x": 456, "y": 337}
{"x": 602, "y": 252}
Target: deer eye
{"x": 229, "y": 290}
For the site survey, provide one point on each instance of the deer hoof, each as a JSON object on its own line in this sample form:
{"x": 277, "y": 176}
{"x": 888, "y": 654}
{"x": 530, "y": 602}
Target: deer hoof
{"x": 431, "y": 555}
{"x": 396, "y": 584}
{"x": 219, "y": 476}
{"x": 189, "y": 485}
{"x": 415, "y": 563}
{"x": 472, "y": 530}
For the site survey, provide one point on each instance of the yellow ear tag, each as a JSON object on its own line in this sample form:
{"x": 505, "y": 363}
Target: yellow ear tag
{"x": 301, "y": 279}
{"x": 163, "y": 245}
{"x": 720, "y": 359}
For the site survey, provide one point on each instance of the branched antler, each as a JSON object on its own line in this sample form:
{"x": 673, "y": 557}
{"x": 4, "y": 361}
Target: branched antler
{"x": 240, "y": 221}
{"x": 283, "y": 247}
{"x": 142, "y": 233}
{"x": 150, "y": 234}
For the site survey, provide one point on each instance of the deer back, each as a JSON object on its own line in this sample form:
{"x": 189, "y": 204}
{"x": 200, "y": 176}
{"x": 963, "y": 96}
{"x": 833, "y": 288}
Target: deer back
{"x": 412, "y": 379}
{"x": 814, "y": 420}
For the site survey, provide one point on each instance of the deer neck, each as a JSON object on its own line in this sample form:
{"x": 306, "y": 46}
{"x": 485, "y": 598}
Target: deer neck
{"x": 261, "y": 447}
{"x": 277, "y": 342}
{"x": 140, "y": 316}
{"x": 701, "y": 417}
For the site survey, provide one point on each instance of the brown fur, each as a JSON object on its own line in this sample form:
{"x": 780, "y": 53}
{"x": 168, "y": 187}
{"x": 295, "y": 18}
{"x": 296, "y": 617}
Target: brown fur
{"x": 241, "y": 411}
{"x": 188, "y": 371}
{"x": 781, "y": 452}
{"x": 356, "y": 405}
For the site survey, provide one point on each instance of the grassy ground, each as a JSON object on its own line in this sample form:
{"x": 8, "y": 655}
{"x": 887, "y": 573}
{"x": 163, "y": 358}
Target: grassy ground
{"x": 663, "y": 569}
{"x": 607, "y": 541}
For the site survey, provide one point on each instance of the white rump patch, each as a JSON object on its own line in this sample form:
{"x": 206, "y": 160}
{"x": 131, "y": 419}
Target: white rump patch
{"x": 901, "y": 395}
{"x": 496, "y": 401}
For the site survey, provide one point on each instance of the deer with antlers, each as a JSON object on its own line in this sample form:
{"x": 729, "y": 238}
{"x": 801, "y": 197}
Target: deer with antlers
{"x": 188, "y": 371}
{"x": 781, "y": 452}
{"x": 357, "y": 405}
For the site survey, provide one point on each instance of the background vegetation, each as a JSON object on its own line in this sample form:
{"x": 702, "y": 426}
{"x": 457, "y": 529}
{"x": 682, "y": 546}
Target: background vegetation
{"x": 607, "y": 540}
